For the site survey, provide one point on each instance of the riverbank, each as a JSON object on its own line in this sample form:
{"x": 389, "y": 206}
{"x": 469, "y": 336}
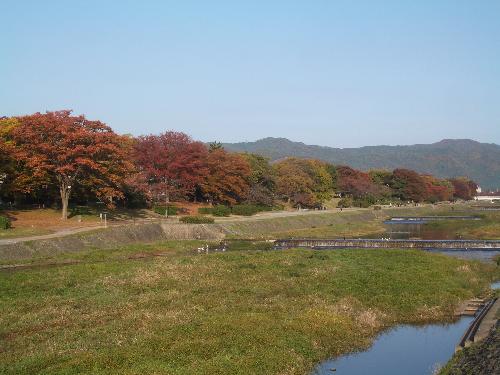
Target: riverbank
{"x": 349, "y": 223}
{"x": 479, "y": 359}
{"x": 163, "y": 308}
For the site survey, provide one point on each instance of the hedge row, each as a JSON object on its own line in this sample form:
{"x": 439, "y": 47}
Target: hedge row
{"x": 241, "y": 209}
{"x": 219, "y": 210}
{"x": 172, "y": 210}
{"x": 196, "y": 220}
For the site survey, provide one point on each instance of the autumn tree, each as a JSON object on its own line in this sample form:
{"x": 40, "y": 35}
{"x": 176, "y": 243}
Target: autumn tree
{"x": 437, "y": 190}
{"x": 7, "y": 159}
{"x": 304, "y": 181}
{"x": 66, "y": 150}
{"x": 357, "y": 184}
{"x": 228, "y": 177}
{"x": 262, "y": 180}
{"x": 408, "y": 185}
{"x": 464, "y": 188}
{"x": 170, "y": 164}
{"x": 381, "y": 177}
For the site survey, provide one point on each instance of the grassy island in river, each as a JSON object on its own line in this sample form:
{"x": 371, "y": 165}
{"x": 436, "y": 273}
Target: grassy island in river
{"x": 165, "y": 309}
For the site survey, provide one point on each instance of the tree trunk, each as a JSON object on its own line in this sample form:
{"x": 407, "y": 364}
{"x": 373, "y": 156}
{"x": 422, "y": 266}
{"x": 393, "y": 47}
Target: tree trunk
{"x": 65, "y": 190}
{"x": 167, "y": 201}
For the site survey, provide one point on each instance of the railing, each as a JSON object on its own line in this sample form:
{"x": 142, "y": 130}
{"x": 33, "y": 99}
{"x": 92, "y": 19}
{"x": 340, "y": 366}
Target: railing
{"x": 468, "y": 336}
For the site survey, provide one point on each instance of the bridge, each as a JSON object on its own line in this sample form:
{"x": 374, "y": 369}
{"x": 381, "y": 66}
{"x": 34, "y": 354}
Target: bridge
{"x": 387, "y": 244}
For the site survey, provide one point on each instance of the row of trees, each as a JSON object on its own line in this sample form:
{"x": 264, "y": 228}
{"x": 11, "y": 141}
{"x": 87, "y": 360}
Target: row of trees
{"x": 57, "y": 157}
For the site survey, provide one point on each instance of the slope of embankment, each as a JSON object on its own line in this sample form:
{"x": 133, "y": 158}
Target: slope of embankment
{"x": 108, "y": 238}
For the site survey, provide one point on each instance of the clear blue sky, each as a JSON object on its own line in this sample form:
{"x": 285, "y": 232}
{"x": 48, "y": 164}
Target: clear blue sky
{"x": 336, "y": 73}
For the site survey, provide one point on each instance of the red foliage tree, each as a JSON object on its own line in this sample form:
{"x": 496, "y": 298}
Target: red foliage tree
{"x": 56, "y": 147}
{"x": 464, "y": 188}
{"x": 227, "y": 180}
{"x": 357, "y": 183}
{"x": 171, "y": 162}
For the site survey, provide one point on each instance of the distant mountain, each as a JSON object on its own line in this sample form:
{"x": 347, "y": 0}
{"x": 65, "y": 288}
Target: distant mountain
{"x": 447, "y": 158}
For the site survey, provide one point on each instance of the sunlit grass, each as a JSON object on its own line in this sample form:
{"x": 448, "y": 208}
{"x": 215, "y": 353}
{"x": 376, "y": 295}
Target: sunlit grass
{"x": 164, "y": 309}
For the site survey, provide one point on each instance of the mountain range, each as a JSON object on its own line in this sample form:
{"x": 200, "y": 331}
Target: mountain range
{"x": 447, "y": 158}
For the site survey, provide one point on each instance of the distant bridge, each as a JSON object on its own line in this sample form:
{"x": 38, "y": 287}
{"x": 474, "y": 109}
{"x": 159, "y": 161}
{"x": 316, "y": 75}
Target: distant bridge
{"x": 388, "y": 244}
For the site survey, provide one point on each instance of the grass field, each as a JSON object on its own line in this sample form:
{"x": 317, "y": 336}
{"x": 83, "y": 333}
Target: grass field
{"x": 164, "y": 309}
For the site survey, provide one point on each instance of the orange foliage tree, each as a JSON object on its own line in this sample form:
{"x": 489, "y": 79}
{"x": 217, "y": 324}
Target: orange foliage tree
{"x": 62, "y": 149}
{"x": 228, "y": 178}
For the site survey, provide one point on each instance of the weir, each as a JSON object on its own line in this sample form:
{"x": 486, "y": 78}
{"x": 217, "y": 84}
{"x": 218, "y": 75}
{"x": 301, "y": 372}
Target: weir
{"x": 388, "y": 244}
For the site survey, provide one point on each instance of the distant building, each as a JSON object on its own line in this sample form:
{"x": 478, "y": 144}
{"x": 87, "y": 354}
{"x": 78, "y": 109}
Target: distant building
{"x": 487, "y": 196}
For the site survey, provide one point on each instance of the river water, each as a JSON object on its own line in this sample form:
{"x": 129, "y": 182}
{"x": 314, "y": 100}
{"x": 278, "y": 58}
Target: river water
{"x": 406, "y": 349}
{"x": 417, "y": 229}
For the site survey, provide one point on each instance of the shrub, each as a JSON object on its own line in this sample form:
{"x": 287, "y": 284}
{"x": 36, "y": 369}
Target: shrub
{"x": 221, "y": 210}
{"x": 80, "y": 210}
{"x": 377, "y": 208}
{"x": 196, "y": 220}
{"x": 172, "y": 210}
{"x": 4, "y": 222}
{"x": 249, "y": 209}
{"x": 205, "y": 210}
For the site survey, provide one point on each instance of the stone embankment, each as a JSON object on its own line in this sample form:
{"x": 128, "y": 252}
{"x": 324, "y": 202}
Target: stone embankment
{"x": 109, "y": 238}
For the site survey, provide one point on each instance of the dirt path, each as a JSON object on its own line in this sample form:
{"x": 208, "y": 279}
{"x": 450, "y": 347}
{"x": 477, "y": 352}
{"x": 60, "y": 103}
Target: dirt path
{"x": 59, "y": 233}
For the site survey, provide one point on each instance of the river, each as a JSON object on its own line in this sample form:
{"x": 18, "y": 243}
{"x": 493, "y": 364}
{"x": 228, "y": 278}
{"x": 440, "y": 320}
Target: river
{"x": 409, "y": 349}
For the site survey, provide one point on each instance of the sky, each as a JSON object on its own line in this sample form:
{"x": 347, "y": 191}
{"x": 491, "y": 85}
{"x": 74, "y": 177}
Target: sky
{"x": 333, "y": 73}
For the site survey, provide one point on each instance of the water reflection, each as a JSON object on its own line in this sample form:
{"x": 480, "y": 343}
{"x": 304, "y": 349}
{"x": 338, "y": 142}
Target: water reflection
{"x": 477, "y": 254}
{"x": 406, "y": 350}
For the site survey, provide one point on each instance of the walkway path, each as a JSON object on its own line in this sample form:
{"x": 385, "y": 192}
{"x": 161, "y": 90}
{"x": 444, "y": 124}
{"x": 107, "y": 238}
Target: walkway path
{"x": 69, "y": 231}
{"x": 59, "y": 233}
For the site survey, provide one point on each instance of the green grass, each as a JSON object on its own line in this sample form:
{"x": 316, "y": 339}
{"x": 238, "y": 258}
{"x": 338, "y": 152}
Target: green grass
{"x": 22, "y": 232}
{"x": 164, "y": 309}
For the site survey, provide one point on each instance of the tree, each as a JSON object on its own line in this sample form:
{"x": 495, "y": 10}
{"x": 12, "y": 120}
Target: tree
{"x": 292, "y": 180}
{"x": 212, "y": 146}
{"x": 380, "y": 176}
{"x": 172, "y": 163}
{"x": 408, "y": 185}
{"x": 464, "y": 188}
{"x": 437, "y": 190}
{"x": 67, "y": 150}
{"x": 356, "y": 183}
{"x": 304, "y": 181}
{"x": 227, "y": 179}
{"x": 262, "y": 180}
{"x": 7, "y": 160}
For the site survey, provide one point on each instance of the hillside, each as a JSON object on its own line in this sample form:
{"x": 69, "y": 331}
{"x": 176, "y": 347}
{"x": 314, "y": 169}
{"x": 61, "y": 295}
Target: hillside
{"x": 447, "y": 158}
